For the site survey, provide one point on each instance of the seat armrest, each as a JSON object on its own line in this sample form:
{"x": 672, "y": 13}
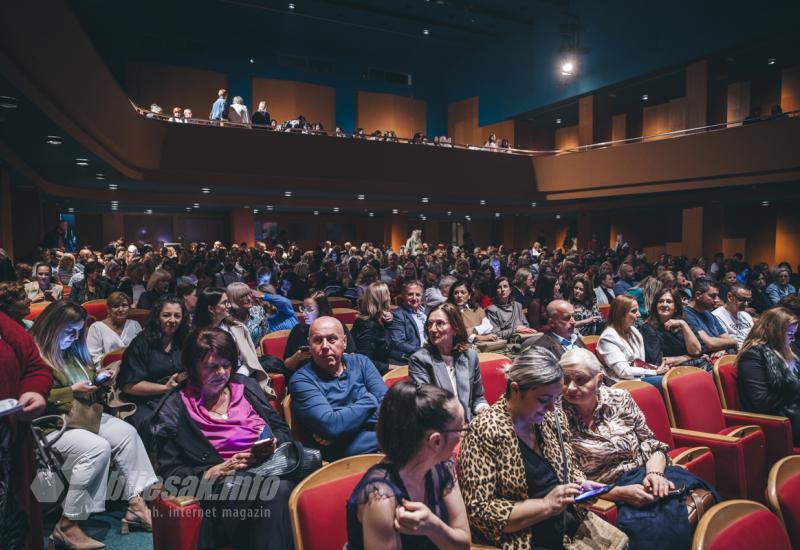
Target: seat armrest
{"x": 753, "y": 417}
{"x": 742, "y": 431}
{"x": 695, "y": 436}
{"x": 603, "y": 505}
{"x": 688, "y": 455}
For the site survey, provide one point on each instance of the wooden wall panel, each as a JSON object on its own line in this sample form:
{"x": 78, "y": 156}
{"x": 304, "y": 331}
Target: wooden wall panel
{"x": 618, "y": 127}
{"x": 567, "y": 137}
{"x": 790, "y": 89}
{"x": 586, "y": 120}
{"x": 692, "y": 233}
{"x": 287, "y": 99}
{"x": 171, "y": 86}
{"x": 732, "y": 246}
{"x": 696, "y": 94}
{"x": 787, "y": 236}
{"x": 405, "y": 115}
{"x": 738, "y": 101}
{"x": 462, "y": 124}
{"x": 656, "y": 120}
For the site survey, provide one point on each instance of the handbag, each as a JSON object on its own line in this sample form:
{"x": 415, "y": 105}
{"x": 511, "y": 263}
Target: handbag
{"x": 85, "y": 414}
{"x": 497, "y": 345}
{"x": 290, "y": 461}
{"x": 698, "y": 502}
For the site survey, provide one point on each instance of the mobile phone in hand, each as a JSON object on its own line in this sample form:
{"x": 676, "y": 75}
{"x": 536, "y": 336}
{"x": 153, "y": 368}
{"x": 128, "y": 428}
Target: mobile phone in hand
{"x": 9, "y": 406}
{"x": 303, "y": 349}
{"x": 589, "y": 495}
{"x": 263, "y": 448}
{"x": 101, "y": 378}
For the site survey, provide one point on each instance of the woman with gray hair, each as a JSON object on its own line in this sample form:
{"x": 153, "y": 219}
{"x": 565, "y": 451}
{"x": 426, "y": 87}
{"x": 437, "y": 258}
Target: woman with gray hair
{"x": 518, "y": 472}
{"x": 613, "y": 444}
{"x": 246, "y": 308}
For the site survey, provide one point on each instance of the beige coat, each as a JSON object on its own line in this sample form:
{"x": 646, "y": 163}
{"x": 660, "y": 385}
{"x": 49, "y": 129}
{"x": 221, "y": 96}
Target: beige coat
{"x": 33, "y": 292}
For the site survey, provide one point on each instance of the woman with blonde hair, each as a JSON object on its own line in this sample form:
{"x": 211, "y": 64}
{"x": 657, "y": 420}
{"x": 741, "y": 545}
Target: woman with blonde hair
{"x": 66, "y": 268}
{"x": 414, "y": 242}
{"x": 366, "y": 276}
{"x": 767, "y": 367}
{"x": 371, "y": 329}
{"x": 621, "y": 346}
{"x": 94, "y": 438}
{"x": 157, "y": 286}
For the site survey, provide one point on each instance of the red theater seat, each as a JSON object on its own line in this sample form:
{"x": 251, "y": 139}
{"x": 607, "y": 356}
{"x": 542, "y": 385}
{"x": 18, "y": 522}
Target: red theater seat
{"x": 113, "y": 355}
{"x": 494, "y": 381}
{"x": 317, "y": 504}
{"x": 96, "y": 308}
{"x": 139, "y": 315}
{"x": 278, "y": 383}
{"x": 739, "y": 450}
{"x": 345, "y": 314}
{"x": 339, "y": 302}
{"x": 783, "y": 495}
{"x": 740, "y": 525}
{"x": 36, "y": 310}
{"x": 274, "y": 343}
{"x": 698, "y": 460}
{"x": 604, "y": 310}
{"x": 777, "y": 429}
{"x": 590, "y": 342}
{"x": 176, "y": 523}
{"x": 395, "y": 375}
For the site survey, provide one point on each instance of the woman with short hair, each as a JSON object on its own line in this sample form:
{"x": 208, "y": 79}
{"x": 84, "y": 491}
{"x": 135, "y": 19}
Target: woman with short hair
{"x": 517, "y": 468}
{"x": 15, "y": 303}
{"x": 411, "y": 500}
{"x": 478, "y": 326}
{"x": 505, "y": 313}
{"x": 115, "y": 331}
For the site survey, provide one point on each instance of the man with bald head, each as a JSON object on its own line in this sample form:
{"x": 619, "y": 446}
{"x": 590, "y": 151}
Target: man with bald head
{"x": 336, "y": 396}
{"x": 562, "y": 336}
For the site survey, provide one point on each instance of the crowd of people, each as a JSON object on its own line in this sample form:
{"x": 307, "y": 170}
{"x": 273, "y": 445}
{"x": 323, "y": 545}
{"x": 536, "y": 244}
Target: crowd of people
{"x": 235, "y": 111}
{"x": 201, "y": 382}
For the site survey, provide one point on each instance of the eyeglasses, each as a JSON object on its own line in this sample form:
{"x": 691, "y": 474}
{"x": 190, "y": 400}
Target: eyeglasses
{"x": 742, "y": 300}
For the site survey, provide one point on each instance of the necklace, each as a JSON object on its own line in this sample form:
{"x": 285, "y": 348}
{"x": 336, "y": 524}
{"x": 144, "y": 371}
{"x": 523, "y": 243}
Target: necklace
{"x": 222, "y": 403}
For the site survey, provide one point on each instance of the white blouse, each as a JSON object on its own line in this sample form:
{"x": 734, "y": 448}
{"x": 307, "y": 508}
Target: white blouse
{"x": 101, "y": 338}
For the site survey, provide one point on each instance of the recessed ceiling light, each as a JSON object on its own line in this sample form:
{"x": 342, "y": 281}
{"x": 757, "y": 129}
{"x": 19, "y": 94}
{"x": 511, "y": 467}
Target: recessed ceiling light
{"x": 558, "y": 216}
{"x": 252, "y": 60}
{"x": 255, "y": 210}
{"x": 558, "y": 121}
{"x": 70, "y": 210}
{"x": 82, "y": 162}
{"x": 426, "y": 32}
{"x": 270, "y": 207}
{"x": 335, "y": 208}
{"x": 196, "y": 205}
{"x": 449, "y": 213}
{"x": 533, "y": 204}
{"x": 188, "y": 208}
{"x": 316, "y": 212}
{"x": 53, "y": 140}
{"x": 206, "y": 190}
{"x": 291, "y": 5}
{"x": 287, "y": 193}
{"x": 497, "y": 214}
{"x": 394, "y": 211}
{"x": 483, "y": 202}
{"x": 771, "y": 61}
{"x": 8, "y": 102}
{"x": 424, "y": 199}
{"x": 112, "y": 186}
{"x": 764, "y": 203}
{"x": 645, "y": 97}
{"x": 372, "y": 214}
{"x": 567, "y": 68}
{"x": 148, "y": 211}
{"x": 361, "y": 197}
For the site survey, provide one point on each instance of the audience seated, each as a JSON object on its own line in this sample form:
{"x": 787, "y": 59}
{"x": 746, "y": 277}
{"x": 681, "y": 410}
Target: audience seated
{"x": 157, "y": 286}
{"x": 94, "y": 438}
{"x": 767, "y": 368}
{"x": 187, "y": 293}
{"x": 261, "y": 116}
{"x": 115, "y": 331}
{"x": 412, "y": 499}
{"x": 238, "y": 111}
{"x": 698, "y": 313}
{"x": 668, "y": 338}
{"x": 133, "y": 282}
{"x": 15, "y": 303}
{"x": 206, "y": 427}
{"x": 517, "y": 468}
{"x": 447, "y": 360}
{"x": 245, "y": 308}
{"x": 780, "y": 285}
{"x": 280, "y": 313}
{"x": 732, "y": 315}
{"x": 792, "y": 303}
{"x": 297, "y": 351}
{"x": 91, "y": 286}
{"x": 757, "y": 283}
{"x": 561, "y": 336}
{"x": 335, "y": 397}
{"x": 543, "y": 293}
{"x": 613, "y": 444}
{"x": 370, "y": 331}
{"x": 437, "y": 294}
{"x": 624, "y": 279}
{"x": 478, "y": 326}
{"x": 523, "y": 287}
{"x": 407, "y": 329}
{"x": 506, "y": 314}
{"x": 43, "y": 289}
{"x": 588, "y": 320}
{"x": 621, "y": 346}
{"x": 151, "y": 363}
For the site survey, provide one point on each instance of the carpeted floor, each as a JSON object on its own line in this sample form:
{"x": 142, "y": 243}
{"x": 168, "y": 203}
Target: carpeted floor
{"x": 105, "y": 528}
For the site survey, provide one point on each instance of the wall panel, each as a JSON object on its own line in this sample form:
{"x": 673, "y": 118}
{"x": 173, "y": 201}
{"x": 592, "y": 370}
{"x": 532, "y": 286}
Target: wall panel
{"x": 171, "y": 86}
{"x": 287, "y": 99}
{"x": 738, "y": 101}
{"x": 405, "y": 115}
{"x": 790, "y": 89}
{"x": 567, "y": 137}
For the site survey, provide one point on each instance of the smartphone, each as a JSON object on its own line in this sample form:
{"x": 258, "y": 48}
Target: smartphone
{"x": 264, "y": 279}
{"x": 9, "y": 406}
{"x": 303, "y": 348}
{"x": 263, "y": 448}
{"x": 589, "y": 495}
{"x": 496, "y": 267}
{"x": 101, "y": 377}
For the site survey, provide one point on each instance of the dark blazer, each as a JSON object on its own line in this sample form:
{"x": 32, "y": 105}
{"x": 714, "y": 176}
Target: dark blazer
{"x": 404, "y": 335}
{"x": 372, "y": 340}
{"x": 550, "y": 342}
{"x": 427, "y": 367}
{"x": 183, "y": 450}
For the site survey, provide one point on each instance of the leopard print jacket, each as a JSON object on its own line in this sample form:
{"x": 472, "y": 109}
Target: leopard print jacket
{"x": 492, "y": 476}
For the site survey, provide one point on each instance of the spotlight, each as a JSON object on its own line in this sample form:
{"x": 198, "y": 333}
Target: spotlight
{"x": 426, "y": 32}
{"x": 558, "y": 216}
{"x": 148, "y": 211}
{"x": 335, "y": 208}
{"x": 316, "y": 212}
{"x": 112, "y": 186}
{"x": 196, "y": 205}
{"x": 206, "y": 190}
{"x": 53, "y": 140}
{"x": 252, "y": 60}
{"x": 372, "y": 214}
{"x": 764, "y": 203}
{"x": 449, "y": 213}
{"x": 771, "y": 61}
{"x": 558, "y": 121}
{"x": 567, "y": 68}
{"x": 291, "y": 5}
{"x": 483, "y": 202}
{"x": 497, "y": 214}
{"x": 270, "y": 207}
{"x": 533, "y": 205}
{"x": 645, "y": 97}
{"x": 394, "y": 211}
{"x": 255, "y": 210}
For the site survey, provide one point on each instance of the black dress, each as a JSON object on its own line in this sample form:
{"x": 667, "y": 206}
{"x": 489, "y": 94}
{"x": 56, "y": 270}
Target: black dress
{"x": 660, "y": 343}
{"x": 372, "y": 339}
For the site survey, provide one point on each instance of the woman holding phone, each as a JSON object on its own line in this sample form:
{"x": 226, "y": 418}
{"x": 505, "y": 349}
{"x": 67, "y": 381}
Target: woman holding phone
{"x": 210, "y": 426}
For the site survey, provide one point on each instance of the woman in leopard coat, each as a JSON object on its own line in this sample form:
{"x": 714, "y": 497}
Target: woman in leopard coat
{"x": 517, "y": 470}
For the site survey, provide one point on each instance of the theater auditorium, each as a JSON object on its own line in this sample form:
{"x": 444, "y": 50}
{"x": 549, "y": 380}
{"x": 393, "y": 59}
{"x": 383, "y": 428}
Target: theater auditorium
{"x": 399, "y": 274}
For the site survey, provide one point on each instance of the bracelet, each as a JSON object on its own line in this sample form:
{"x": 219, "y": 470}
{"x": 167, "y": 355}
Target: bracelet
{"x": 659, "y": 474}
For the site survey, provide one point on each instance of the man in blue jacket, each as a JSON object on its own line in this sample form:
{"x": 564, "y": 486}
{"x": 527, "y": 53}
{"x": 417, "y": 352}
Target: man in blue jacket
{"x": 336, "y": 396}
{"x": 407, "y": 330}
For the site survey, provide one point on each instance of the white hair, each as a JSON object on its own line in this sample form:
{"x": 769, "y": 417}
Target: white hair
{"x": 581, "y": 357}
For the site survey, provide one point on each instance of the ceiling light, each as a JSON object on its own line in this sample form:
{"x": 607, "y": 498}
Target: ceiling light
{"x": 270, "y": 207}
{"x": 449, "y": 213}
{"x": 82, "y": 162}
{"x": 114, "y": 208}
{"x": 291, "y": 5}
{"x": 335, "y": 208}
{"x": 483, "y": 202}
{"x": 188, "y": 208}
{"x": 424, "y": 199}
{"x": 771, "y": 61}
{"x": 426, "y": 32}
{"x": 206, "y": 190}
{"x": 645, "y": 97}
{"x": 533, "y": 204}
{"x": 372, "y": 214}
{"x": 316, "y": 212}
{"x": 361, "y": 197}
{"x": 764, "y": 203}
{"x": 567, "y": 68}
{"x": 287, "y": 193}
{"x": 112, "y": 186}
{"x": 497, "y": 214}
{"x": 8, "y": 102}
{"x": 70, "y": 210}
{"x": 394, "y": 211}
{"x": 148, "y": 211}
{"x": 53, "y": 140}
{"x": 255, "y": 210}
{"x": 558, "y": 121}
{"x": 252, "y": 60}
{"x": 558, "y": 216}
{"x": 196, "y": 205}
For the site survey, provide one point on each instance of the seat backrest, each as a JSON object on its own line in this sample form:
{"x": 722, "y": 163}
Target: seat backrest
{"x": 139, "y": 315}
{"x": 692, "y": 400}
{"x": 783, "y": 495}
{"x": 278, "y": 383}
{"x": 395, "y": 375}
{"x": 317, "y": 505}
{"x": 604, "y": 310}
{"x": 740, "y": 525}
{"x": 274, "y": 343}
{"x": 494, "y": 380}
{"x": 590, "y": 342}
{"x": 345, "y": 314}
{"x": 36, "y": 310}
{"x": 651, "y": 403}
{"x": 96, "y": 308}
{"x": 113, "y": 355}
{"x": 726, "y": 376}
{"x": 338, "y": 301}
